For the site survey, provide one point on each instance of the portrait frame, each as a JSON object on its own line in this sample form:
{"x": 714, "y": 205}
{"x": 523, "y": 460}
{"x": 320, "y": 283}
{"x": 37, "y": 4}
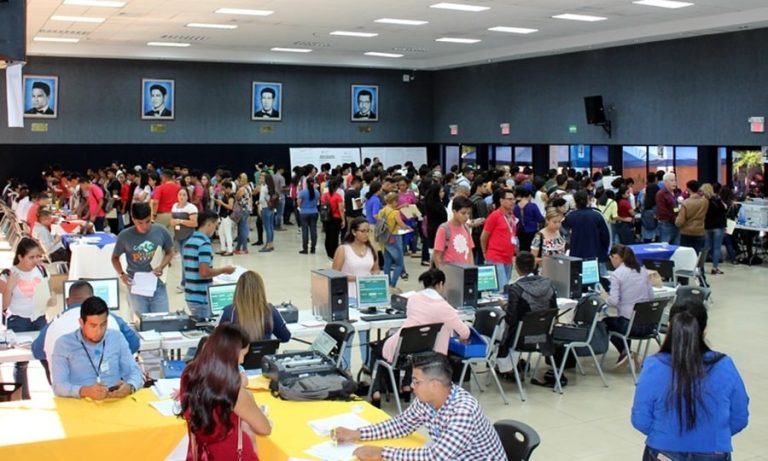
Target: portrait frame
{"x": 169, "y": 98}
{"x": 52, "y": 107}
{"x": 257, "y": 109}
{"x": 355, "y": 114}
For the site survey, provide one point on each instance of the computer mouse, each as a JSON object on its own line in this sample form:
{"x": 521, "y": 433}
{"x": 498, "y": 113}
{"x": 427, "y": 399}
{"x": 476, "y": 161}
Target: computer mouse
{"x": 371, "y": 310}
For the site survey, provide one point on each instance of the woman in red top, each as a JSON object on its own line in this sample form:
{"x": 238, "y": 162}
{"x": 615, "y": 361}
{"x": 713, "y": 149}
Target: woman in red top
{"x": 221, "y": 415}
{"x": 626, "y": 218}
{"x": 334, "y": 225}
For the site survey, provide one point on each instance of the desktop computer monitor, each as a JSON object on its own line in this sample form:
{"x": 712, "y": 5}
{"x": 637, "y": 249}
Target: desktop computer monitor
{"x": 487, "y": 282}
{"x": 106, "y": 289}
{"x": 372, "y": 291}
{"x": 590, "y": 273}
{"x": 220, "y": 296}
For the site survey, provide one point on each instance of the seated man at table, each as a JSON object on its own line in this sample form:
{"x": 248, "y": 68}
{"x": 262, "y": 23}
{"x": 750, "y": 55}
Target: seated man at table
{"x": 94, "y": 361}
{"x": 42, "y": 233}
{"x": 457, "y": 425}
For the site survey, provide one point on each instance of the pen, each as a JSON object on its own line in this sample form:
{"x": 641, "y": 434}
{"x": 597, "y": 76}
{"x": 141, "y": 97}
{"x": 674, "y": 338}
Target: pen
{"x": 333, "y": 436}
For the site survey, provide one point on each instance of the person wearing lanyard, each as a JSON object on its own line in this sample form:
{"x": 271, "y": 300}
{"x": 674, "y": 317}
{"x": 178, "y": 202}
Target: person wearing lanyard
{"x": 499, "y": 237}
{"x": 93, "y": 361}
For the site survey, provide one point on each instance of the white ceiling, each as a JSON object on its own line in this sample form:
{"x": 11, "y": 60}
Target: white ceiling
{"x": 307, "y": 23}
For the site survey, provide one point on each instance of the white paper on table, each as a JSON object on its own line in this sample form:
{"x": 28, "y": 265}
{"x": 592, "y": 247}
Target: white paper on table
{"x": 150, "y": 335}
{"x": 164, "y": 388}
{"x": 234, "y": 276}
{"x": 166, "y": 407}
{"x": 144, "y": 284}
{"x": 329, "y": 451}
{"x": 324, "y": 426}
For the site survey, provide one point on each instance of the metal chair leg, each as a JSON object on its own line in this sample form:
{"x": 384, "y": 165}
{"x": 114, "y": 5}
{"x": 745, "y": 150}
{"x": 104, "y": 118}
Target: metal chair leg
{"x": 558, "y": 387}
{"x": 395, "y": 390}
{"x": 498, "y": 384}
{"x": 520, "y": 389}
{"x": 597, "y": 365}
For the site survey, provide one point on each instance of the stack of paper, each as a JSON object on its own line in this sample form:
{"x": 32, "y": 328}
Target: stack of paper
{"x": 330, "y": 451}
{"x": 165, "y": 388}
{"x": 150, "y": 335}
{"x": 324, "y": 426}
{"x": 144, "y": 284}
{"x": 233, "y": 277}
{"x": 166, "y": 407}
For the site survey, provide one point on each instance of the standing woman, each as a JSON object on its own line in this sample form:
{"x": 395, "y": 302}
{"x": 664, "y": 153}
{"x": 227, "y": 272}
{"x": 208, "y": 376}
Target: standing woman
{"x": 143, "y": 191}
{"x": 244, "y": 198}
{"x": 268, "y": 199}
{"x": 435, "y": 214}
{"x": 689, "y": 400}
{"x": 220, "y": 412}
{"x": 549, "y": 241}
{"x": 333, "y": 226}
{"x": 625, "y": 217}
{"x": 529, "y": 218}
{"x": 306, "y": 206}
{"x": 714, "y": 226}
{"x": 372, "y": 206}
{"x": 393, "y": 247}
{"x": 205, "y": 182}
{"x": 184, "y": 222}
{"x": 253, "y": 313}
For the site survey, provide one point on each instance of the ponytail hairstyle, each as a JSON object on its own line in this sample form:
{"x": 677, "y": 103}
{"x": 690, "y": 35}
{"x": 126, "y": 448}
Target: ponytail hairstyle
{"x": 23, "y": 248}
{"x": 432, "y": 278}
{"x": 311, "y": 187}
{"x": 627, "y": 256}
{"x": 685, "y": 345}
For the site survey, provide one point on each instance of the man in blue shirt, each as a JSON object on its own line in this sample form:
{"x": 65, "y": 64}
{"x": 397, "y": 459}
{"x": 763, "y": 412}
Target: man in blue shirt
{"x": 94, "y": 362}
{"x": 197, "y": 262}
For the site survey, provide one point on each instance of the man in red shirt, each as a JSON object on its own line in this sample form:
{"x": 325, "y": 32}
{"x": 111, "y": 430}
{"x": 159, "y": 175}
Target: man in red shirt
{"x": 96, "y": 213}
{"x": 666, "y": 210}
{"x": 499, "y": 238}
{"x": 41, "y": 201}
{"x": 163, "y": 198}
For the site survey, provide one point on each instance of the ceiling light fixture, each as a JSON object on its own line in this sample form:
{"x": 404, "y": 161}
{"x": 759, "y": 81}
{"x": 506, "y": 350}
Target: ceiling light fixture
{"x": 383, "y": 55}
{"x": 291, "y": 50}
{"x": 56, "y": 39}
{"x": 513, "y": 30}
{"x": 457, "y": 40}
{"x": 100, "y": 3}
{"x": 403, "y": 22}
{"x": 345, "y": 33}
{"x": 244, "y": 12}
{"x": 579, "y": 17}
{"x": 460, "y": 7}
{"x": 89, "y": 19}
{"x": 663, "y": 3}
{"x": 171, "y": 44}
{"x": 202, "y": 25}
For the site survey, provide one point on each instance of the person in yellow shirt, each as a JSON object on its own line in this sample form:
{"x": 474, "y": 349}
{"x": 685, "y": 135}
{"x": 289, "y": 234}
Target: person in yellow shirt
{"x": 393, "y": 247}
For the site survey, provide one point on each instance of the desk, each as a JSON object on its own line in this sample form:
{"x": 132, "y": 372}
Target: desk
{"x": 22, "y": 351}
{"x": 685, "y": 258}
{"x": 99, "y": 239}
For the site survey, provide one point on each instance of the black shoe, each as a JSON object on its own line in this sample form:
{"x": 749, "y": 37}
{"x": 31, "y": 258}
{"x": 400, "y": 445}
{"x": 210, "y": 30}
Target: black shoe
{"x": 312, "y": 251}
{"x": 303, "y": 252}
{"x": 259, "y": 243}
{"x": 376, "y": 402}
{"x": 404, "y": 276}
{"x": 288, "y": 223}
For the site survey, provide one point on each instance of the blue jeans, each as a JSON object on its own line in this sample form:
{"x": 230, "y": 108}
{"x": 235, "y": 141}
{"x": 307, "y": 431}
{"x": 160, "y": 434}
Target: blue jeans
{"x": 18, "y": 325}
{"x": 200, "y": 310}
{"x": 308, "y": 229}
{"x": 503, "y": 272}
{"x": 652, "y": 454}
{"x": 241, "y": 242}
{"x": 626, "y": 233}
{"x": 669, "y": 232}
{"x": 280, "y": 211}
{"x": 147, "y": 304}
{"x": 268, "y": 218}
{"x": 695, "y": 242}
{"x": 393, "y": 255}
{"x": 714, "y": 242}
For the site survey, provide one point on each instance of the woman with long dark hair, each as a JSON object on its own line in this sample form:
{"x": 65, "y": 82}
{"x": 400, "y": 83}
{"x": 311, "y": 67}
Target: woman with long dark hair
{"x": 689, "y": 399}
{"x": 221, "y": 414}
{"x": 435, "y": 214}
{"x": 336, "y": 222}
{"x": 629, "y": 285}
{"x": 306, "y": 205}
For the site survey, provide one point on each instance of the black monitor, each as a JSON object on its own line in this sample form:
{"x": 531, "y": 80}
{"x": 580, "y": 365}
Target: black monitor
{"x": 257, "y": 351}
{"x": 665, "y": 268}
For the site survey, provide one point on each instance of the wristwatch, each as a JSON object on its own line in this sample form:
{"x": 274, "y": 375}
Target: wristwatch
{"x": 133, "y": 389}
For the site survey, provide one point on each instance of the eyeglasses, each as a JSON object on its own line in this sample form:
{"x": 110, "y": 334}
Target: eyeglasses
{"x": 419, "y": 382}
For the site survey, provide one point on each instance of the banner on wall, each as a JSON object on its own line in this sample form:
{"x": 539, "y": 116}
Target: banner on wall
{"x": 319, "y": 155}
{"x": 15, "y": 95}
{"x": 396, "y": 155}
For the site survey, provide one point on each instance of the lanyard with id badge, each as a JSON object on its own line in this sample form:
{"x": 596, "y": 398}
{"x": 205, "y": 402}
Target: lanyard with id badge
{"x": 511, "y": 225}
{"x": 102, "y": 367}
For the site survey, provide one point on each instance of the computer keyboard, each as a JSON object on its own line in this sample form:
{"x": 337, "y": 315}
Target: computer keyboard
{"x": 375, "y": 317}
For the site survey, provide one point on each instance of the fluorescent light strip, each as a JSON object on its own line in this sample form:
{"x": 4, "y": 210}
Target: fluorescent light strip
{"x": 101, "y": 3}
{"x": 291, "y": 50}
{"x": 202, "y": 25}
{"x": 579, "y": 17}
{"x": 78, "y": 19}
{"x": 663, "y": 3}
{"x": 56, "y": 39}
{"x": 383, "y": 55}
{"x": 460, "y": 7}
{"x": 458, "y": 40}
{"x": 172, "y": 44}
{"x": 403, "y": 22}
{"x": 345, "y": 33}
{"x": 513, "y": 30}
{"x": 244, "y": 12}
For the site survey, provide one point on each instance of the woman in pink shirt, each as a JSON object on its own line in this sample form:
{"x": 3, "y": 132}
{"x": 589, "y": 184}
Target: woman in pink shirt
{"x": 424, "y": 307}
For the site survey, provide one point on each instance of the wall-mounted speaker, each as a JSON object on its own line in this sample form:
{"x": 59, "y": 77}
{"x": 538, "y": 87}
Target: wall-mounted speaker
{"x": 593, "y": 105}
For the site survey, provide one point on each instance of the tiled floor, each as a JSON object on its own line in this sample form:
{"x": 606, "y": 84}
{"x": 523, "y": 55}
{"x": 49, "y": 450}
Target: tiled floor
{"x": 588, "y": 421}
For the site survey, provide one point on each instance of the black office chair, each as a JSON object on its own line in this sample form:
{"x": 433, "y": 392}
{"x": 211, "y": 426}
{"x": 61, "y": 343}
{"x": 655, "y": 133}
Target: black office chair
{"x": 257, "y": 351}
{"x": 342, "y": 333}
{"x": 534, "y": 334}
{"x": 577, "y": 336}
{"x": 518, "y": 439}
{"x": 686, "y": 292}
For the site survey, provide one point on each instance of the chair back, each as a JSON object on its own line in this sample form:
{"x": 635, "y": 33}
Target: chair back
{"x": 665, "y": 268}
{"x": 342, "y": 333}
{"x": 534, "y": 329}
{"x": 587, "y": 309}
{"x": 686, "y": 292}
{"x": 487, "y": 319}
{"x": 415, "y": 339}
{"x": 648, "y": 313}
{"x": 518, "y": 439}
{"x": 257, "y": 351}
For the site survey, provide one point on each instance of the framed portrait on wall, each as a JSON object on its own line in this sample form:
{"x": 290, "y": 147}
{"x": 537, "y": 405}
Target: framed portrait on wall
{"x": 365, "y": 103}
{"x": 267, "y": 101}
{"x": 157, "y": 99}
{"x": 41, "y": 96}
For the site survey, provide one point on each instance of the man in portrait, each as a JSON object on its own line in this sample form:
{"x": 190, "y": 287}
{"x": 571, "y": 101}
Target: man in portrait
{"x": 157, "y": 97}
{"x": 268, "y": 96}
{"x": 364, "y": 105}
{"x": 41, "y": 93}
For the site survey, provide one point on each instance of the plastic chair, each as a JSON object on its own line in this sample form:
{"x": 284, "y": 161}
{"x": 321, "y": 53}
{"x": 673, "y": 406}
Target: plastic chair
{"x": 580, "y": 333}
{"x": 489, "y": 323}
{"x": 534, "y": 334}
{"x": 701, "y": 294}
{"x": 518, "y": 439}
{"x": 342, "y": 332}
{"x": 698, "y": 272}
{"x": 412, "y": 340}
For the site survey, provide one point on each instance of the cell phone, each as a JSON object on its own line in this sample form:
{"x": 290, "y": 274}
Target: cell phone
{"x": 114, "y": 388}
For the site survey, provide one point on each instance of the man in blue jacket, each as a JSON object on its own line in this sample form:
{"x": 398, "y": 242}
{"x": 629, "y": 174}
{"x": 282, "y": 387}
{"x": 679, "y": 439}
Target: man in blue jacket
{"x": 589, "y": 232}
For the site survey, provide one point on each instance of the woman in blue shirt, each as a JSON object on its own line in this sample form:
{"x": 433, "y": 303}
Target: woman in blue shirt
{"x": 307, "y": 201}
{"x": 689, "y": 400}
{"x": 253, "y": 313}
{"x": 529, "y": 218}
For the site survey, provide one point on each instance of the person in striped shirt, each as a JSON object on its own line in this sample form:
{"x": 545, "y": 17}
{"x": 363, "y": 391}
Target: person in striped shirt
{"x": 197, "y": 263}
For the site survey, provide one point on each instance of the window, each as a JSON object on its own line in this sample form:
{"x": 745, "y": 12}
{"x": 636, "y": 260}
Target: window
{"x": 722, "y": 165}
{"x": 503, "y": 155}
{"x": 686, "y": 164}
{"x": 599, "y": 158}
{"x": 580, "y": 156}
{"x": 451, "y": 157}
{"x": 524, "y": 155}
{"x": 558, "y": 157}
{"x": 634, "y": 164}
{"x": 468, "y": 155}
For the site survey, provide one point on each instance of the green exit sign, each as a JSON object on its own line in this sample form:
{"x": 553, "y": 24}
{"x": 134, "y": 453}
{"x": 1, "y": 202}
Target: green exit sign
{"x": 572, "y": 129}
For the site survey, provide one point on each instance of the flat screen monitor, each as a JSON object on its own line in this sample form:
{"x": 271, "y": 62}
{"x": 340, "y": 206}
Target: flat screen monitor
{"x": 106, "y": 289}
{"x": 486, "y": 279}
{"x": 220, "y": 296}
{"x": 590, "y": 273}
{"x": 372, "y": 291}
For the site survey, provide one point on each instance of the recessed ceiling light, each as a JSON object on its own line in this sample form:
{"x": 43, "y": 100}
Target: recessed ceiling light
{"x": 78, "y": 19}
{"x": 383, "y": 55}
{"x": 102, "y": 3}
{"x": 354, "y": 34}
{"x": 460, "y": 7}
{"x": 404, "y": 22}
{"x": 291, "y": 50}
{"x": 457, "y": 40}
{"x": 663, "y": 3}
{"x": 579, "y": 17}
{"x": 172, "y": 44}
{"x": 244, "y": 12}
{"x": 202, "y": 25}
{"x": 513, "y": 30}
{"x": 56, "y": 39}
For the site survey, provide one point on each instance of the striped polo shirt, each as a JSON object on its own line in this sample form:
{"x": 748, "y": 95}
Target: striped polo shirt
{"x": 197, "y": 250}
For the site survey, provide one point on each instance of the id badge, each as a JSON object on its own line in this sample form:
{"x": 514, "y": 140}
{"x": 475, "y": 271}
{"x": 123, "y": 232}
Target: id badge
{"x": 514, "y": 241}
{"x": 104, "y": 366}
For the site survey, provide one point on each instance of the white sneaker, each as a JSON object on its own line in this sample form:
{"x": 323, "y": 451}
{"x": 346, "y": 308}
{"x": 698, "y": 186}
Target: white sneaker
{"x": 179, "y": 289}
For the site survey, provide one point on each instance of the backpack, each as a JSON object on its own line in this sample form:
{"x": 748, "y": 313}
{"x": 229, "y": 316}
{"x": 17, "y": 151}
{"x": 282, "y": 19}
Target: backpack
{"x": 324, "y": 211}
{"x": 381, "y": 231}
{"x": 333, "y": 386}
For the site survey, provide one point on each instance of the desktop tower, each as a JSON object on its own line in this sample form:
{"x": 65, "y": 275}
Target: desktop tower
{"x": 330, "y": 300}
{"x": 565, "y": 273}
{"x": 460, "y": 284}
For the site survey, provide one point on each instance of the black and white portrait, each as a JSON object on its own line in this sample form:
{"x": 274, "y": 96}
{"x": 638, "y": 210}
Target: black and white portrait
{"x": 157, "y": 99}
{"x": 365, "y": 103}
{"x": 267, "y": 101}
{"x": 41, "y": 94}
